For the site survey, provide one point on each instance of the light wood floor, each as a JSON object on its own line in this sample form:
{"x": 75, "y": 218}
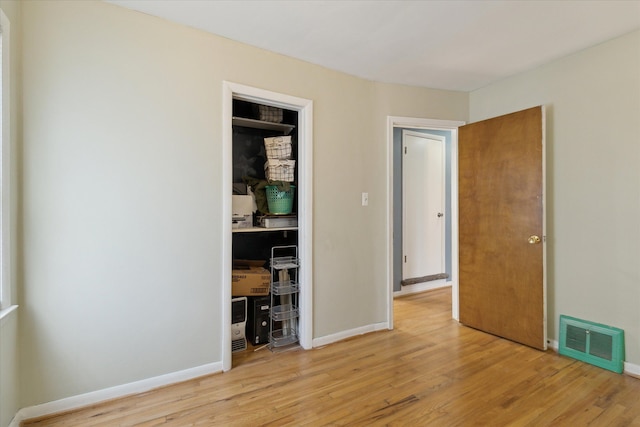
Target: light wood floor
{"x": 428, "y": 371}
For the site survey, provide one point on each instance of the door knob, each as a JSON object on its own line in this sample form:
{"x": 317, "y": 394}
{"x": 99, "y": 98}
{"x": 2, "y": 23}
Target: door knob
{"x": 440, "y": 214}
{"x": 534, "y": 239}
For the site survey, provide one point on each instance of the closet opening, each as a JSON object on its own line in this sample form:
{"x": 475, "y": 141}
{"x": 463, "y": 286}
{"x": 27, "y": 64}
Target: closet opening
{"x": 267, "y": 297}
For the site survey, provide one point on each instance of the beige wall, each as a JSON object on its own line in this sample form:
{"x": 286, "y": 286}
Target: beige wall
{"x": 593, "y": 153}
{"x": 122, "y": 196}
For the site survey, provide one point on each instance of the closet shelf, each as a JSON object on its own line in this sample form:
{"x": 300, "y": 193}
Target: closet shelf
{"x": 261, "y": 124}
{"x": 262, "y": 229}
{"x": 280, "y": 263}
{"x": 284, "y": 312}
{"x": 282, "y": 337}
{"x": 284, "y": 288}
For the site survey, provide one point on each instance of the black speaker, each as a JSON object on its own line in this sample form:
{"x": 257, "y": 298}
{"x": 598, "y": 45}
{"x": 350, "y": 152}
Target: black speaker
{"x": 258, "y": 320}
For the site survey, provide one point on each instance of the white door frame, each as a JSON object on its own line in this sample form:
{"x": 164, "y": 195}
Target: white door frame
{"x": 304, "y": 107}
{"x": 427, "y": 124}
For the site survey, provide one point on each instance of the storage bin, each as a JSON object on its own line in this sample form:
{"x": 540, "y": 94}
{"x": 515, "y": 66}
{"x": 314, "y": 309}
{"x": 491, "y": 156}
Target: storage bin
{"x": 280, "y": 202}
{"x": 278, "y": 147}
{"x": 280, "y": 170}
{"x": 270, "y": 114}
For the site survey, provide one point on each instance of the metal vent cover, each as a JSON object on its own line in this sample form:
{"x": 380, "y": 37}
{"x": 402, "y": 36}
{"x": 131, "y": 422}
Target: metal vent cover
{"x": 591, "y": 342}
{"x": 238, "y": 345}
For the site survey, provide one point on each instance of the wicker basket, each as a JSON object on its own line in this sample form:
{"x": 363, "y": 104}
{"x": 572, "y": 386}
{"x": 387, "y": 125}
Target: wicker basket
{"x": 280, "y": 170}
{"x": 278, "y": 147}
{"x": 270, "y": 114}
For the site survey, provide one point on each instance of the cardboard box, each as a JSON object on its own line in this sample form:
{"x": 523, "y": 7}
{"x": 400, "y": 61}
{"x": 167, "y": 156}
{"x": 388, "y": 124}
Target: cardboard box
{"x": 249, "y": 278}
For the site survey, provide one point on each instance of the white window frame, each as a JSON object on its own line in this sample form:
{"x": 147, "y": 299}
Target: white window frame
{"x": 6, "y": 297}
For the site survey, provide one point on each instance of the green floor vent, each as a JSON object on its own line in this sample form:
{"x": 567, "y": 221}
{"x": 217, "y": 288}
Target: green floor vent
{"x": 590, "y": 342}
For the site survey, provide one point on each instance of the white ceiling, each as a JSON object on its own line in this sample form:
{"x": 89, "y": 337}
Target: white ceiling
{"x": 456, "y": 45}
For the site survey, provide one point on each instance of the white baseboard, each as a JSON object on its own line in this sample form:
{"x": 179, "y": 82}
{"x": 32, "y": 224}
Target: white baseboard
{"x": 421, "y": 287}
{"x": 330, "y": 339}
{"x": 629, "y": 368}
{"x": 142, "y": 386}
{"x": 93, "y": 397}
{"x": 632, "y": 369}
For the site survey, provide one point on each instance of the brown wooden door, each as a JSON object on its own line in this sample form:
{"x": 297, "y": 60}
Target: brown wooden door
{"x": 501, "y": 210}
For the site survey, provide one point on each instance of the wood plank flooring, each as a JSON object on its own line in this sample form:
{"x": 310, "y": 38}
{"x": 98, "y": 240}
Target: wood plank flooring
{"x": 430, "y": 370}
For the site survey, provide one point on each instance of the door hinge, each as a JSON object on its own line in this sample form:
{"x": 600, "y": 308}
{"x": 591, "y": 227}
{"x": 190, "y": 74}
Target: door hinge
{"x": 405, "y": 150}
{"x": 405, "y": 258}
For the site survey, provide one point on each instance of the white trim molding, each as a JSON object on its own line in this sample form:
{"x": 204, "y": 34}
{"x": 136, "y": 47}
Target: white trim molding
{"x": 110, "y": 393}
{"x": 6, "y": 311}
{"x": 422, "y": 287}
{"x": 429, "y": 124}
{"x": 343, "y": 335}
{"x": 148, "y": 384}
{"x": 630, "y": 369}
{"x": 304, "y": 107}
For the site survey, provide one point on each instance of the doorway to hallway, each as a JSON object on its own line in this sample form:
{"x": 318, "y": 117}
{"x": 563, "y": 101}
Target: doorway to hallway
{"x": 448, "y": 130}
